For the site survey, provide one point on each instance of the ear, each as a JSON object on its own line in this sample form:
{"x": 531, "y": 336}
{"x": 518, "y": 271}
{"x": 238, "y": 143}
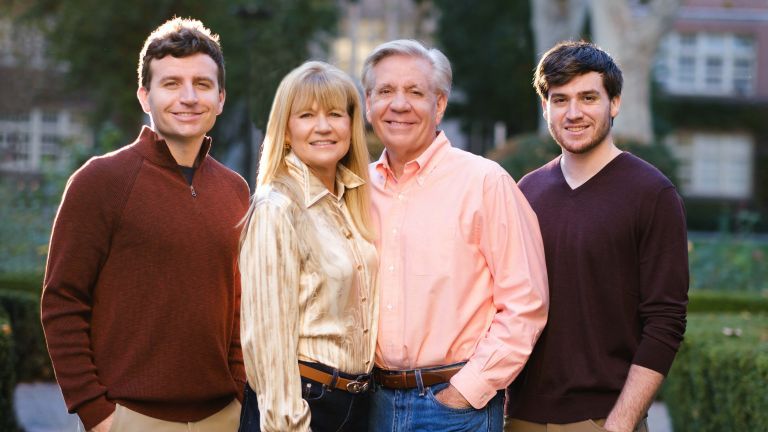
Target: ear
{"x": 615, "y": 104}
{"x": 143, "y": 95}
{"x": 222, "y": 97}
{"x": 442, "y": 103}
{"x": 544, "y": 105}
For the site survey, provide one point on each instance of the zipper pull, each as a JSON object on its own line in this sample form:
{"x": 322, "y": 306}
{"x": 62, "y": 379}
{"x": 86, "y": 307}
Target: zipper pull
{"x": 192, "y": 188}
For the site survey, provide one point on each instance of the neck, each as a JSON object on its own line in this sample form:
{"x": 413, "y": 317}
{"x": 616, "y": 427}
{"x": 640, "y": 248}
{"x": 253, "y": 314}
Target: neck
{"x": 184, "y": 152}
{"x": 578, "y": 168}
{"x": 327, "y": 178}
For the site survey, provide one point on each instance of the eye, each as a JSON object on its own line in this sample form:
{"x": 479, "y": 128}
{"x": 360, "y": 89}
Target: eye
{"x": 336, "y": 113}
{"x": 170, "y": 84}
{"x": 204, "y": 85}
{"x": 305, "y": 115}
{"x": 590, "y": 98}
{"x": 384, "y": 91}
{"x": 558, "y": 100}
{"x": 417, "y": 92}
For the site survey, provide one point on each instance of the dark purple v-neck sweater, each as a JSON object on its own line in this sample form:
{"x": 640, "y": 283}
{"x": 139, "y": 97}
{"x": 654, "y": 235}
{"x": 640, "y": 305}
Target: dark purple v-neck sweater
{"x": 617, "y": 260}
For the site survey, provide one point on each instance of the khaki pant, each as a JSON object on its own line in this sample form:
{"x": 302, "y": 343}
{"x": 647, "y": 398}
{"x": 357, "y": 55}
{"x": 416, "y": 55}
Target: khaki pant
{"x": 226, "y": 420}
{"x": 514, "y": 425}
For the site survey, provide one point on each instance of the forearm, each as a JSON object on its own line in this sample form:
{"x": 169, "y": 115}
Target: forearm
{"x": 635, "y": 399}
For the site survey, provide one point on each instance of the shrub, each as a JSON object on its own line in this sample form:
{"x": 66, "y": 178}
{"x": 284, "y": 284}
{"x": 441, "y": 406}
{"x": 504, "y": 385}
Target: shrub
{"x": 727, "y": 262}
{"x": 724, "y": 301}
{"x": 7, "y": 378}
{"x": 29, "y": 282}
{"x": 31, "y": 355}
{"x": 718, "y": 380}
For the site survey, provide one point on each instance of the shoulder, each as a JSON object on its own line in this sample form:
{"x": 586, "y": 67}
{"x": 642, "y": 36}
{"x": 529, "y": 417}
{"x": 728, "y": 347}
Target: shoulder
{"x": 108, "y": 173}
{"x": 473, "y": 166}
{"x": 230, "y": 177}
{"x": 642, "y": 173}
{"x": 541, "y": 176}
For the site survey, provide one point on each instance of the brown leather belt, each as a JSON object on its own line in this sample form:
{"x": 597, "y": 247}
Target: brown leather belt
{"x": 401, "y": 380}
{"x": 352, "y": 386}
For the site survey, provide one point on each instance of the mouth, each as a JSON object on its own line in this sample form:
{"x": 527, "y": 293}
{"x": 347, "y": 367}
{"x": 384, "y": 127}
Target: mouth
{"x": 186, "y": 115}
{"x": 576, "y": 129}
{"x": 322, "y": 143}
{"x": 398, "y": 124}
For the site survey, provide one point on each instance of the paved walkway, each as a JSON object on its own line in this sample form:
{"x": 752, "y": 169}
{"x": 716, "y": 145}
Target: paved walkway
{"x": 40, "y": 408}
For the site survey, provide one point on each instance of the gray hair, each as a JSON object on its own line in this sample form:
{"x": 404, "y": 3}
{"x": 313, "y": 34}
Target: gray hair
{"x": 441, "y": 68}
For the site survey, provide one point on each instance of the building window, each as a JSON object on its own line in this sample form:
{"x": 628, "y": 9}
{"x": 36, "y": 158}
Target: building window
{"x": 710, "y": 64}
{"x": 714, "y": 165}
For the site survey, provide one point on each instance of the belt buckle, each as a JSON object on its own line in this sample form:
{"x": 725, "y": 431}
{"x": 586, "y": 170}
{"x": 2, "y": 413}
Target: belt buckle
{"x": 356, "y": 387}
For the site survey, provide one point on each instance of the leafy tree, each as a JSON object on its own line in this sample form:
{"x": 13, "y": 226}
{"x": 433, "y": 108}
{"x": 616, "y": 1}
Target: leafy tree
{"x": 100, "y": 40}
{"x": 490, "y": 47}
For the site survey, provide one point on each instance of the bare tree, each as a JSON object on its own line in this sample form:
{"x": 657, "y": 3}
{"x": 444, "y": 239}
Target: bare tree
{"x": 630, "y": 30}
{"x": 555, "y": 21}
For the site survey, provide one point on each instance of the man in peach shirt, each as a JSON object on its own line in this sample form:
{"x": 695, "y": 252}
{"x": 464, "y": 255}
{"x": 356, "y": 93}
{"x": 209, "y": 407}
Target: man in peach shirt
{"x": 463, "y": 279}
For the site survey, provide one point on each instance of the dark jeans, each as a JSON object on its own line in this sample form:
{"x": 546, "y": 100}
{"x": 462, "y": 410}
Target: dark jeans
{"x": 332, "y": 410}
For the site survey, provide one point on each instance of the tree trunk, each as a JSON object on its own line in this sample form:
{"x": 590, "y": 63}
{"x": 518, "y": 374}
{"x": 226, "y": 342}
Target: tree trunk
{"x": 554, "y": 21}
{"x": 631, "y": 34}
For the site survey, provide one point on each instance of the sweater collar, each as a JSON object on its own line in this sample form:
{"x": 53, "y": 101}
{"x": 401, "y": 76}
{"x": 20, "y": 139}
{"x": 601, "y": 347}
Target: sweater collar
{"x": 154, "y": 148}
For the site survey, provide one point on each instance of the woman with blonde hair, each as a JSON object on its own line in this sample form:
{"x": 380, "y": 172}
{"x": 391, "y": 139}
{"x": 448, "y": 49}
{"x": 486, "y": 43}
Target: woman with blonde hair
{"x": 308, "y": 264}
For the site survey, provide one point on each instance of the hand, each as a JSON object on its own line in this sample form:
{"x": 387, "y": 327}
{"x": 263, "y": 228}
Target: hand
{"x": 105, "y": 424}
{"x": 451, "y": 398}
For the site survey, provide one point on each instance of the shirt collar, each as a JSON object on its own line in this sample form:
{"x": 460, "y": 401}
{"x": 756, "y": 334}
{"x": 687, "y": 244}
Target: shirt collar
{"x": 422, "y": 166}
{"x": 312, "y": 188}
{"x": 154, "y": 148}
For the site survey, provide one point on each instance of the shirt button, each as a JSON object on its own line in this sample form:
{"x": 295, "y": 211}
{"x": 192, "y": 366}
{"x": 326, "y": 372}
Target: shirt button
{"x": 365, "y": 331}
{"x": 394, "y": 230}
{"x": 391, "y": 268}
{"x": 389, "y": 307}
{"x": 363, "y": 299}
{"x": 401, "y": 197}
{"x": 359, "y": 266}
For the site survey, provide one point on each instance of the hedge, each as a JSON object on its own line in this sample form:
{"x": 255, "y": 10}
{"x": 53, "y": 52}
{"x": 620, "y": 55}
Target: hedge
{"x": 7, "y": 375}
{"x": 31, "y": 361}
{"x": 726, "y": 301}
{"x": 718, "y": 380}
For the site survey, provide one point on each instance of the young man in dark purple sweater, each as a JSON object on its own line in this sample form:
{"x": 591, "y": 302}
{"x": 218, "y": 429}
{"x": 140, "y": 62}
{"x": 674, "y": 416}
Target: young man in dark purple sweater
{"x": 616, "y": 252}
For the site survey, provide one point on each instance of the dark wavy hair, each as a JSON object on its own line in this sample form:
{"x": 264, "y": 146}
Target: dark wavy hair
{"x": 569, "y": 59}
{"x": 180, "y": 37}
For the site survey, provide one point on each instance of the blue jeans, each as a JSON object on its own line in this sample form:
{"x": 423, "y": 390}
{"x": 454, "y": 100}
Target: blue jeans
{"x": 410, "y": 411}
{"x": 330, "y": 410}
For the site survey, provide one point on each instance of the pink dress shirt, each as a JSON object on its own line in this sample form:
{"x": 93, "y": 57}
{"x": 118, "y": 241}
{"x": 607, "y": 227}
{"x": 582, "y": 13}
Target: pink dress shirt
{"x": 462, "y": 270}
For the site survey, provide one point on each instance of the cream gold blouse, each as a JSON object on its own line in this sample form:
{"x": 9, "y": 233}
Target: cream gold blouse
{"x": 309, "y": 291}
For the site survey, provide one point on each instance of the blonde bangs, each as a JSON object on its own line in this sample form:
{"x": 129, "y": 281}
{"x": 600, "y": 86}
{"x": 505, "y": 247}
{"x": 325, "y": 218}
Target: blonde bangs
{"x": 329, "y": 93}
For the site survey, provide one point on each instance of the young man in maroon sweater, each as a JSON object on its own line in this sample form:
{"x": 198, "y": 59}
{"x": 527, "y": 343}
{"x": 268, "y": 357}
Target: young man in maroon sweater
{"x": 141, "y": 296}
{"x": 616, "y": 252}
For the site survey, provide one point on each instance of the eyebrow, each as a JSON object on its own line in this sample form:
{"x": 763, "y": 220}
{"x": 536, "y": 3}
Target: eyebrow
{"x": 581, "y": 93}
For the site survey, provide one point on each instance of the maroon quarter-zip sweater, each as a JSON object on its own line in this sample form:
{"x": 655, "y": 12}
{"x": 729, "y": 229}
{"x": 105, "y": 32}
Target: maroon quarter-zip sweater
{"x": 141, "y": 296}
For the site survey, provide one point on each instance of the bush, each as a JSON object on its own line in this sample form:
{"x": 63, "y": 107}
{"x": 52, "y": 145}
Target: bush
{"x": 718, "y": 380}
{"x": 723, "y": 301}
{"x": 727, "y": 262}
{"x": 31, "y": 355}
{"x": 7, "y": 378}
{"x": 27, "y": 282}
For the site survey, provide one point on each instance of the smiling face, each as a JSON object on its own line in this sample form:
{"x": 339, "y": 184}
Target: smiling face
{"x": 403, "y": 106}
{"x": 579, "y": 113}
{"x": 183, "y": 98}
{"x": 320, "y": 137}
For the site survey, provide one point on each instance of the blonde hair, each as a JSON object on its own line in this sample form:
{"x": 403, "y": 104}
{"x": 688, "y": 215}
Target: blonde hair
{"x": 320, "y": 82}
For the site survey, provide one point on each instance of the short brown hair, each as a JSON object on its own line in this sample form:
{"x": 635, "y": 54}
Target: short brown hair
{"x": 180, "y": 37}
{"x": 567, "y": 60}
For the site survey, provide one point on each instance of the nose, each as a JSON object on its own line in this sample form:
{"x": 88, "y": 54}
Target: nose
{"x": 188, "y": 94}
{"x": 322, "y": 125}
{"x": 399, "y": 102}
{"x": 574, "y": 111}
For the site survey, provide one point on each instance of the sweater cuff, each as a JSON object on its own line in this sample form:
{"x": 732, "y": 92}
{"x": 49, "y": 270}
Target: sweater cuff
{"x": 94, "y": 412}
{"x": 654, "y": 355}
{"x": 475, "y": 389}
